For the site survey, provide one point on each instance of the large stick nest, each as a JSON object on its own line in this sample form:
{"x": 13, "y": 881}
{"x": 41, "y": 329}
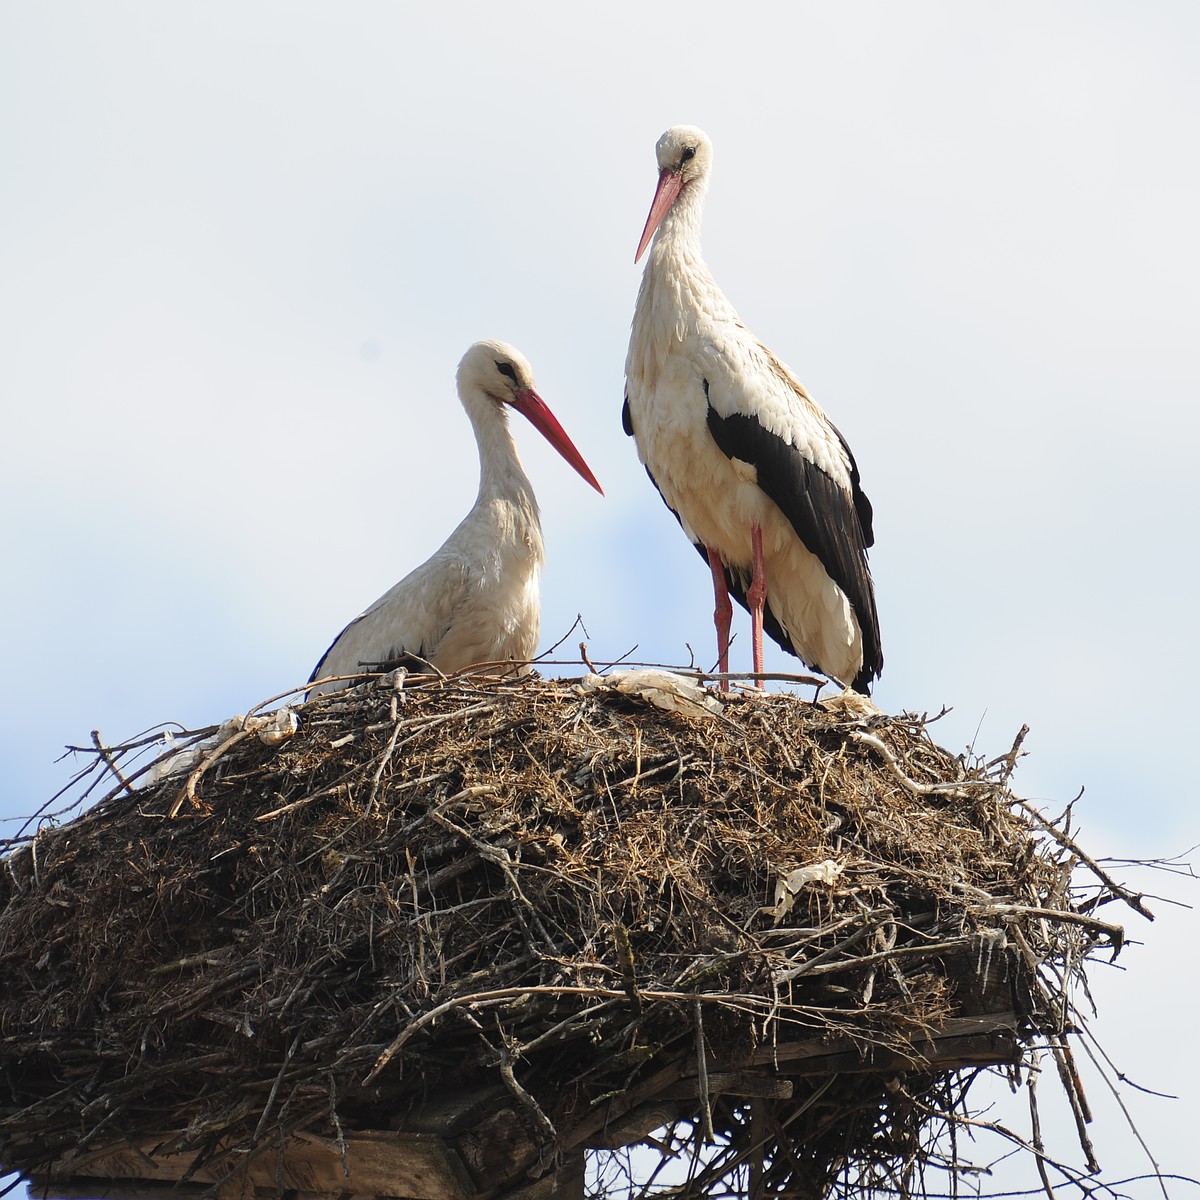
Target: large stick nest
{"x": 574, "y": 894}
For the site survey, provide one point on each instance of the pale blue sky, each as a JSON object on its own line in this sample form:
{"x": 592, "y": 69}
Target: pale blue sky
{"x": 243, "y": 246}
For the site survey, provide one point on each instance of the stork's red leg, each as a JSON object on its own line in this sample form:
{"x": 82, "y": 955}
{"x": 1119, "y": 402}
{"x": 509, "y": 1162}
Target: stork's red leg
{"x": 755, "y": 598}
{"x": 722, "y": 613}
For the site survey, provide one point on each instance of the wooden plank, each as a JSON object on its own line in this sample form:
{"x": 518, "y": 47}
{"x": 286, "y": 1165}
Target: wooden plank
{"x": 732, "y": 1083}
{"x": 499, "y": 1148}
{"x": 945, "y": 1054}
{"x": 634, "y": 1126}
{"x": 496, "y": 1148}
{"x": 564, "y": 1183}
{"x": 606, "y": 1115}
{"x": 381, "y": 1164}
{"x": 42, "y": 1187}
{"x": 959, "y": 1034}
{"x": 416, "y": 1166}
{"x": 452, "y": 1111}
{"x": 960, "y": 1041}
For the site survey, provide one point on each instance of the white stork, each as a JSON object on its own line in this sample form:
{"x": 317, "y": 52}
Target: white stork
{"x": 476, "y": 599}
{"x": 758, "y": 476}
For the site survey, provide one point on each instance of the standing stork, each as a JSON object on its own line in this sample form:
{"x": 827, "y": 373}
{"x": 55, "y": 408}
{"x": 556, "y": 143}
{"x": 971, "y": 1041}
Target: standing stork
{"x": 758, "y": 476}
{"x": 476, "y": 600}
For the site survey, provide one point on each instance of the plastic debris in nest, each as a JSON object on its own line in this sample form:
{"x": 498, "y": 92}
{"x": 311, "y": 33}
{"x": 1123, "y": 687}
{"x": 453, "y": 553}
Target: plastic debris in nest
{"x": 789, "y": 886}
{"x": 664, "y": 689}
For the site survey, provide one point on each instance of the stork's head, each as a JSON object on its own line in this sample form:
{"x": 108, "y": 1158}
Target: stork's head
{"x": 500, "y": 373}
{"x": 684, "y": 158}
{"x": 497, "y": 370}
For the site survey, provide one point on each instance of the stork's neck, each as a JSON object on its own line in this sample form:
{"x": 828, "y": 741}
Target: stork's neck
{"x": 675, "y": 254}
{"x": 678, "y": 295}
{"x": 501, "y": 475}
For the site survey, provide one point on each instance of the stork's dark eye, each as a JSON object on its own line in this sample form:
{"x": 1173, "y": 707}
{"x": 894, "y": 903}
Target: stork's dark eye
{"x": 688, "y": 155}
{"x": 507, "y": 369}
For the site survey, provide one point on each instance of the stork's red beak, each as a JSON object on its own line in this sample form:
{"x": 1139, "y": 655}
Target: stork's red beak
{"x": 670, "y": 184}
{"x": 531, "y": 406}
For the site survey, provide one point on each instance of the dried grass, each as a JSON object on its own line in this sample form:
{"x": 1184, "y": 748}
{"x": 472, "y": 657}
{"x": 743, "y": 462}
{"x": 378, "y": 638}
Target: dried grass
{"x": 475, "y": 880}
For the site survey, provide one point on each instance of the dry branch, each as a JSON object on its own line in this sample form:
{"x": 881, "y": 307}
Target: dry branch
{"x": 565, "y": 896}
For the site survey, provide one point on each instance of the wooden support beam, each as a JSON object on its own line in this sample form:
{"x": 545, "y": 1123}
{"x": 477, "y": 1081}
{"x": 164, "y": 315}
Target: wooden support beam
{"x": 498, "y": 1148}
{"x": 636, "y": 1124}
{"x": 958, "y": 1042}
{"x": 415, "y": 1166}
{"x": 563, "y": 1183}
{"x": 473, "y": 1143}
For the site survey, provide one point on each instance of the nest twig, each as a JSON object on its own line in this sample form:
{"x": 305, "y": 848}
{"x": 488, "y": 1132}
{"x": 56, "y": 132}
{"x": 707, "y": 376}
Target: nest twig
{"x": 773, "y": 927}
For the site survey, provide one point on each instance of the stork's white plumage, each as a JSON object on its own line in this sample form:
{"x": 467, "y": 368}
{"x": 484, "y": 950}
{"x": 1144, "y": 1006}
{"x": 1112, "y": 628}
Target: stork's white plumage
{"x": 476, "y": 600}
{"x": 758, "y": 476}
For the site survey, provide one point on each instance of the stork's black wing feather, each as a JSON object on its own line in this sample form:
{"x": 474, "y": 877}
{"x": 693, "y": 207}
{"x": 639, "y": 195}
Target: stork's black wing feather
{"x": 862, "y": 506}
{"x": 834, "y": 526}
